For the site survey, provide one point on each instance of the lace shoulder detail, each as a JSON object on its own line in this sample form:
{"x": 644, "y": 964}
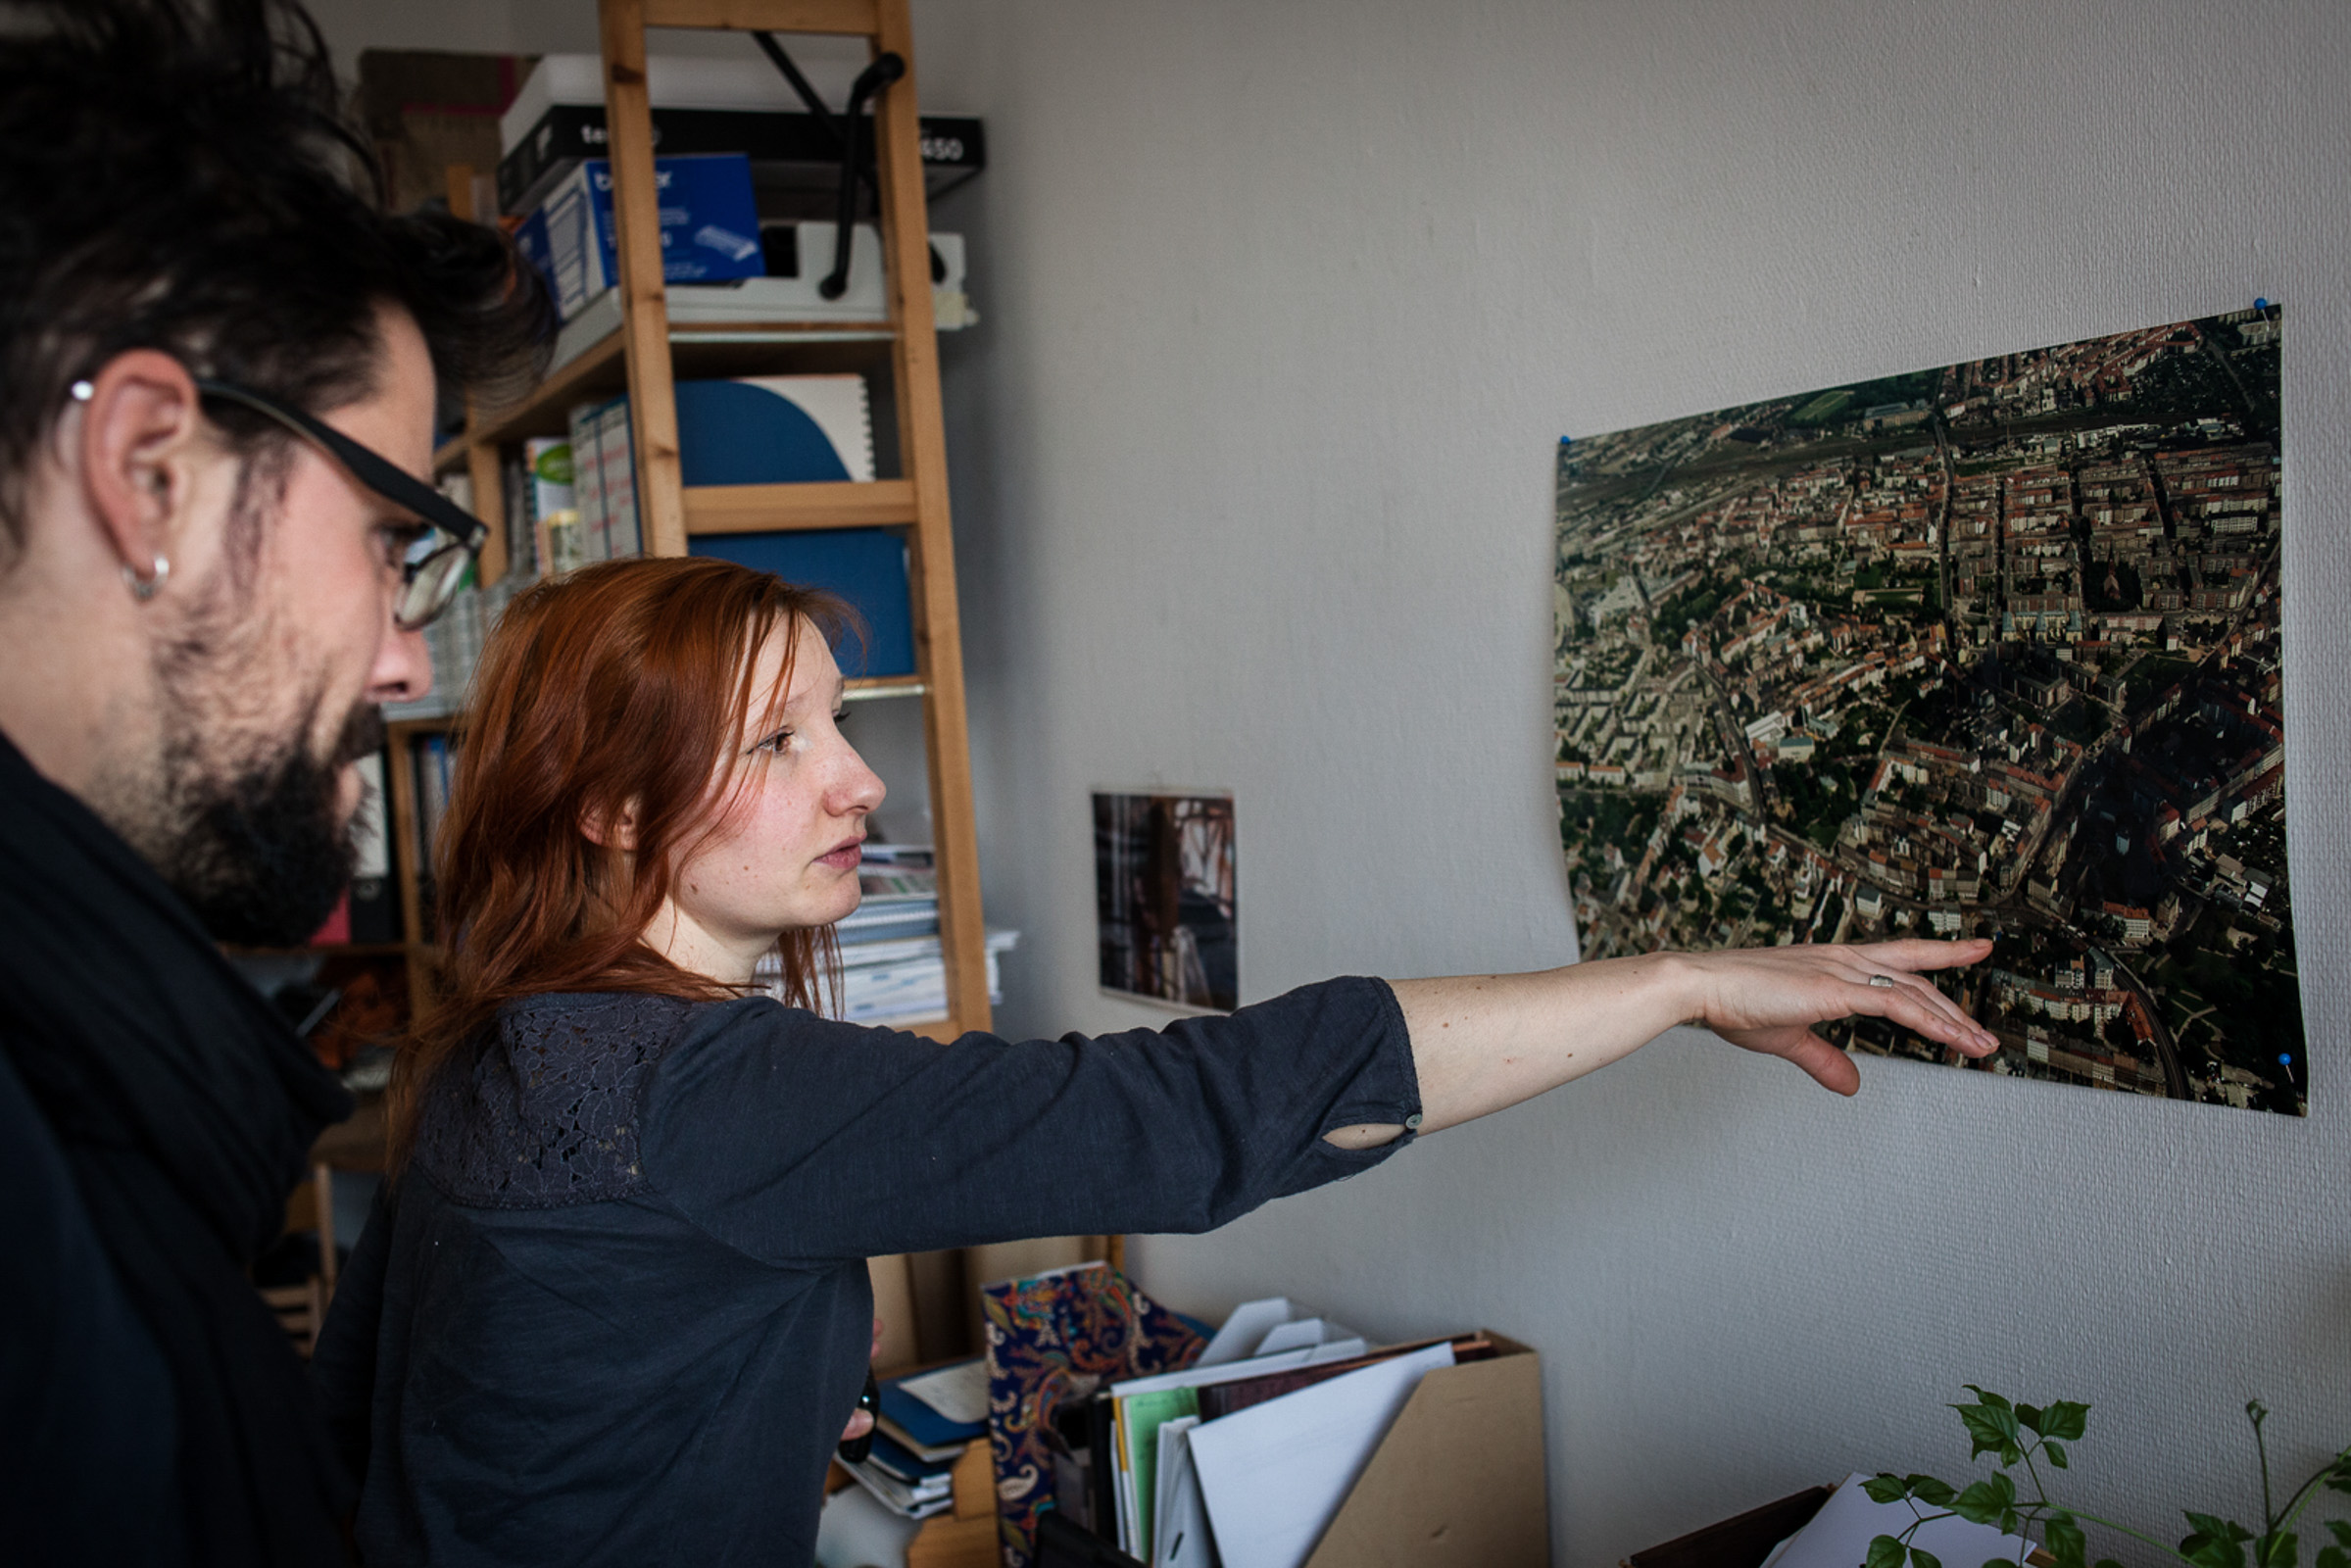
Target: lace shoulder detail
{"x": 542, "y": 1113}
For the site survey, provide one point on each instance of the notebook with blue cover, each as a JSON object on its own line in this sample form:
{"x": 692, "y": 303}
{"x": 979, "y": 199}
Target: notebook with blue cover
{"x": 775, "y": 429}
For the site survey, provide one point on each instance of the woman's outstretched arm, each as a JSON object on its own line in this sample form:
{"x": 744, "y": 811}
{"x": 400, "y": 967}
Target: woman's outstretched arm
{"x": 1483, "y": 1042}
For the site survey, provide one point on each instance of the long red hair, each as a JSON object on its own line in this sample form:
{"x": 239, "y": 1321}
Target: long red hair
{"x": 619, "y": 689}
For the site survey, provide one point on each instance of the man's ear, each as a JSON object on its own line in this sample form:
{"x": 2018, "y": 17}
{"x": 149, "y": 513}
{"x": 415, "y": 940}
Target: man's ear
{"x": 141, "y": 421}
{"x": 612, "y": 830}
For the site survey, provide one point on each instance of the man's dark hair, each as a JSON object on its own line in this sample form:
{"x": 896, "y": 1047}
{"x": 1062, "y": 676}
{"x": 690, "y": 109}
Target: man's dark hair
{"x": 178, "y": 174}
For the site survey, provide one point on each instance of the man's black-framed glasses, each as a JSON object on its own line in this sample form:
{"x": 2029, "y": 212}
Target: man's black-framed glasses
{"x": 433, "y": 565}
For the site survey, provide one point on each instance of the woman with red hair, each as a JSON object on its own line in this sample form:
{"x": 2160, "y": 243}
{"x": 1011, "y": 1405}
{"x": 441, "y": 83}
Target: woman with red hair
{"x": 615, "y": 1307}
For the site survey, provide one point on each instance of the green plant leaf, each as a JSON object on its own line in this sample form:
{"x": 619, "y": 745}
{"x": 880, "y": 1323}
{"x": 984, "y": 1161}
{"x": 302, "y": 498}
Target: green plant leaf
{"x": 1989, "y": 1430}
{"x": 2216, "y": 1542}
{"x": 2027, "y": 1416}
{"x": 1985, "y": 1501}
{"x": 2277, "y": 1549}
{"x": 2065, "y": 1540}
{"x": 2333, "y": 1557}
{"x": 2208, "y": 1552}
{"x": 1885, "y": 1488}
{"x": 1933, "y": 1493}
{"x": 2065, "y": 1418}
{"x": 2341, "y": 1531}
{"x": 1884, "y": 1552}
{"x": 1921, "y": 1557}
{"x": 2054, "y": 1451}
{"x": 2108, "y": 1562}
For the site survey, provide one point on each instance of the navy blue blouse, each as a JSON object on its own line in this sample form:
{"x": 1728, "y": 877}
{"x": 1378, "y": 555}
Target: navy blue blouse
{"x": 617, "y": 1311}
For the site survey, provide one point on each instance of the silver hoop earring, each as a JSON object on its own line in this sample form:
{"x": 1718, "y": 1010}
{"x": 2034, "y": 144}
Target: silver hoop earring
{"x": 143, "y": 589}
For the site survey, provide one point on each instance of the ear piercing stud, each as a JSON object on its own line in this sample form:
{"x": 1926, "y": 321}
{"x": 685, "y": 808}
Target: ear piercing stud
{"x": 143, "y": 589}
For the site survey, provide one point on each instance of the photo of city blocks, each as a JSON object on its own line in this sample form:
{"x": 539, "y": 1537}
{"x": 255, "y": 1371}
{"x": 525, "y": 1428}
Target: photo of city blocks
{"x": 1985, "y": 651}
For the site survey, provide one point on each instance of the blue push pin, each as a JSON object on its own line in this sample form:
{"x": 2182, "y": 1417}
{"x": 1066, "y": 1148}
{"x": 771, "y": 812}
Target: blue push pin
{"x": 2263, "y": 305}
{"x": 2284, "y": 1060}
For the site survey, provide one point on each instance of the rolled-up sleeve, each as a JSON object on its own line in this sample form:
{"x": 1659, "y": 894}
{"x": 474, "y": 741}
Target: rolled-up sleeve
{"x": 794, "y": 1138}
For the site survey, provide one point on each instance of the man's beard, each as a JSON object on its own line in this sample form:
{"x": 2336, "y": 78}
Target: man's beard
{"x": 263, "y": 852}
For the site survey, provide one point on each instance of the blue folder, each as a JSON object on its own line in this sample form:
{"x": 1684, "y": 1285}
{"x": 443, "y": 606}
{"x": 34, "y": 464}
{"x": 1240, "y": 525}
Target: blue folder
{"x": 867, "y": 567}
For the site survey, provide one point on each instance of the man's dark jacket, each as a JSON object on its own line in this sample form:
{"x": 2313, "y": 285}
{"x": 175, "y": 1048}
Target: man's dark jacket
{"x": 154, "y": 1114}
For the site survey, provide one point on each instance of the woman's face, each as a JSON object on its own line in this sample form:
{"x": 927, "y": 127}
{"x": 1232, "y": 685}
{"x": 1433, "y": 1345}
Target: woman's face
{"x": 785, "y": 854}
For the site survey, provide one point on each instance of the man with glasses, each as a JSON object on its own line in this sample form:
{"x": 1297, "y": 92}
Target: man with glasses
{"x": 220, "y": 368}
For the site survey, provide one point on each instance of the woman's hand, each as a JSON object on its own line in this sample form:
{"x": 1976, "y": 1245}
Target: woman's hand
{"x": 1484, "y": 1042}
{"x": 1768, "y": 1000}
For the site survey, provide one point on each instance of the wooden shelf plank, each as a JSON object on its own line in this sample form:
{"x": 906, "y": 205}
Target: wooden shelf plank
{"x": 644, "y": 299}
{"x": 686, "y": 333}
{"x": 578, "y": 380}
{"x": 836, "y": 503}
{"x": 450, "y": 456}
{"x": 855, "y": 16}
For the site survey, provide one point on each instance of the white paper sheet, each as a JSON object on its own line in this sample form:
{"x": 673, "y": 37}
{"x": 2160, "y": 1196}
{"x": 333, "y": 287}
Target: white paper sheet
{"x": 1274, "y": 1475}
{"x": 1303, "y": 1331}
{"x": 1180, "y": 1536}
{"x": 1197, "y": 1376}
{"x": 1839, "y": 1534}
{"x": 958, "y": 1393}
{"x": 1241, "y": 1331}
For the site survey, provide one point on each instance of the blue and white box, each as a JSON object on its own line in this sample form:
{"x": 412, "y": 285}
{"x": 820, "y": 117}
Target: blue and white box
{"x": 710, "y": 227}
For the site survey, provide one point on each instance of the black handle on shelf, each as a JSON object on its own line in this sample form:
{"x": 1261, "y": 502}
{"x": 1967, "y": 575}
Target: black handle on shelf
{"x": 782, "y": 62}
{"x": 857, "y": 1450}
{"x": 885, "y": 69}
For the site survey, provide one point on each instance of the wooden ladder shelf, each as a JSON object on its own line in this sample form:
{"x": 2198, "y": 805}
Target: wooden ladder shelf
{"x": 917, "y": 503}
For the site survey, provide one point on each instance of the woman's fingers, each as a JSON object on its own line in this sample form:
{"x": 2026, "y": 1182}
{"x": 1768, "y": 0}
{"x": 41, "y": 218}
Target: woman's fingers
{"x": 1770, "y": 999}
{"x": 1827, "y": 1065}
{"x": 1916, "y": 955}
{"x": 1918, "y": 1005}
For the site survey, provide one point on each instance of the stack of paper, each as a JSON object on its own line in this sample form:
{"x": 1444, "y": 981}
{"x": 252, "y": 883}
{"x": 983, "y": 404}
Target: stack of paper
{"x": 908, "y": 1486}
{"x": 925, "y": 1422}
{"x": 915, "y": 1422}
{"x": 891, "y": 969}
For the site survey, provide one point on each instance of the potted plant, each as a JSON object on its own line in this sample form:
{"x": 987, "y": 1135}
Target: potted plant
{"x": 2034, "y": 1438}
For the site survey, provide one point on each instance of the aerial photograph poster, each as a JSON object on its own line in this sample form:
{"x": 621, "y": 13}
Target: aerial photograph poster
{"x": 1990, "y": 650}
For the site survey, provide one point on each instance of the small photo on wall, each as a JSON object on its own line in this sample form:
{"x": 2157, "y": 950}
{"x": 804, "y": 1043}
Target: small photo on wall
{"x": 1163, "y": 897}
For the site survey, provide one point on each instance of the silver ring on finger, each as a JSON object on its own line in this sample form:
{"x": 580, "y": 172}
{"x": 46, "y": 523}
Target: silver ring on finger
{"x": 1883, "y": 982}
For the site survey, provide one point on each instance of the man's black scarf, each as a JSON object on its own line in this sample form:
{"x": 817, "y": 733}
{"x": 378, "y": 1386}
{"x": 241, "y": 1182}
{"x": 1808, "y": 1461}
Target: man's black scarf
{"x": 185, "y": 1108}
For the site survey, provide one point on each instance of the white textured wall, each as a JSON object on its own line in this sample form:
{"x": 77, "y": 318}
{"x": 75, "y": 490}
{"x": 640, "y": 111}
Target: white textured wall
{"x": 1287, "y": 307}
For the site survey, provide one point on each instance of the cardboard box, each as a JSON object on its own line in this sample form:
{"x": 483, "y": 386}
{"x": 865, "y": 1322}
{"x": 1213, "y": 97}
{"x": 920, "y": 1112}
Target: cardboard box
{"x": 705, "y": 105}
{"x": 1459, "y": 1482}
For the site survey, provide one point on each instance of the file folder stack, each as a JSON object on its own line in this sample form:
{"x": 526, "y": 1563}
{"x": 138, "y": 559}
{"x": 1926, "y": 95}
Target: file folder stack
{"x": 1290, "y": 1444}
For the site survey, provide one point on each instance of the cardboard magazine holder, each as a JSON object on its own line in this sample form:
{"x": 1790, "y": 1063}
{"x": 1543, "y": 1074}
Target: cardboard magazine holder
{"x": 1459, "y": 1480}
